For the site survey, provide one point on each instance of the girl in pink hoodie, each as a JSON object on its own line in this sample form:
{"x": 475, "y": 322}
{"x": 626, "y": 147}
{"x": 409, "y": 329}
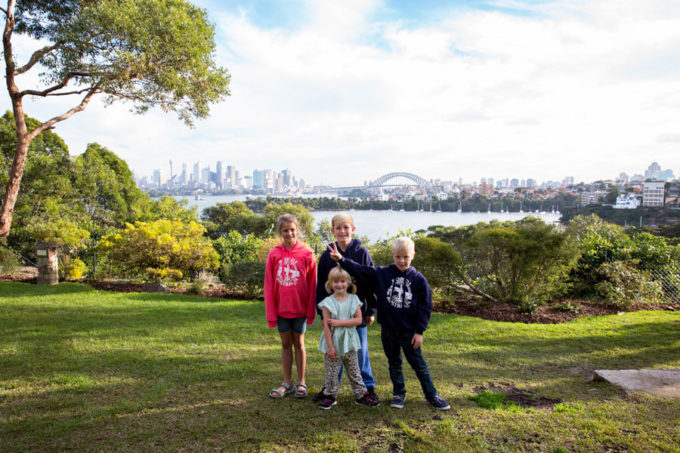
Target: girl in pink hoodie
{"x": 290, "y": 301}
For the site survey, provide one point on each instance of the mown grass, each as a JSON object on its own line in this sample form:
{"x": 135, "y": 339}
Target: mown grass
{"x": 96, "y": 371}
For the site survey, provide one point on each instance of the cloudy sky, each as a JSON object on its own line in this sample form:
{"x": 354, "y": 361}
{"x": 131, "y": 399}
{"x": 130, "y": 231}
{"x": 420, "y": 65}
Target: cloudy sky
{"x": 341, "y": 92}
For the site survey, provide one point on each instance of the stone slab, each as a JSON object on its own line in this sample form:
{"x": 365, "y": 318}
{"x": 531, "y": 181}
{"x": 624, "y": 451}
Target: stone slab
{"x": 661, "y": 383}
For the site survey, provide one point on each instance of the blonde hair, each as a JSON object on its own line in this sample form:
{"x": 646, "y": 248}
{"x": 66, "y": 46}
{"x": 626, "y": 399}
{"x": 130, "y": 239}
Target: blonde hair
{"x": 339, "y": 274}
{"x": 340, "y": 218}
{"x": 287, "y": 218}
{"x": 403, "y": 243}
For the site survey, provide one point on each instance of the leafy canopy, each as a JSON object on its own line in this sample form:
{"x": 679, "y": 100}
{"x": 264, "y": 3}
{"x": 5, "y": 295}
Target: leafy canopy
{"x": 150, "y": 52}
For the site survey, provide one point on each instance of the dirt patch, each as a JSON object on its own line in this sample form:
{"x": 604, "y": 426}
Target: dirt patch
{"x": 24, "y": 274}
{"x": 554, "y": 312}
{"x": 521, "y": 397}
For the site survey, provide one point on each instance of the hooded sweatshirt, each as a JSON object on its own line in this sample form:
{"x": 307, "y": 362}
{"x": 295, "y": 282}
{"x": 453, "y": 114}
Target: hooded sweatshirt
{"x": 359, "y": 254}
{"x": 290, "y": 283}
{"x": 404, "y": 298}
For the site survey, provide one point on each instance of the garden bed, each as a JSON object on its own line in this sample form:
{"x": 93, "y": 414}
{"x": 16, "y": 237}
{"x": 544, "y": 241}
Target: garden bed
{"x": 557, "y": 311}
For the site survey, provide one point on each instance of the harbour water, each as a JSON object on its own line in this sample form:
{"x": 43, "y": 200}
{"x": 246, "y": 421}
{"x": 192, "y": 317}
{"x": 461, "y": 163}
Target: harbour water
{"x": 376, "y": 225}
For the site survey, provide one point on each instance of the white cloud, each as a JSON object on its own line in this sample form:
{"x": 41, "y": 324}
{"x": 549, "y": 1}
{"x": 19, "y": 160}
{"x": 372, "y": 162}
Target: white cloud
{"x": 582, "y": 88}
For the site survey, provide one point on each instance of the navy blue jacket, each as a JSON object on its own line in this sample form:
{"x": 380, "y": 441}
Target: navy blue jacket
{"x": 358, "y": 253}
{"x": 404, "y": 298}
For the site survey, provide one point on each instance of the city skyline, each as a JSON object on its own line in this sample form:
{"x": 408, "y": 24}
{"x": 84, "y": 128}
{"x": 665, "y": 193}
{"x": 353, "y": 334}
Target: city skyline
{"x": 472, "y": 89}
{"x": 229, "y": 177}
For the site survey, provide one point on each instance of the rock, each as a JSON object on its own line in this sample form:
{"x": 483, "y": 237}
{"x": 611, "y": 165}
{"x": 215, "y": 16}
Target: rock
{"x": 661, "y": 383}
{"x": 155, "y": 287}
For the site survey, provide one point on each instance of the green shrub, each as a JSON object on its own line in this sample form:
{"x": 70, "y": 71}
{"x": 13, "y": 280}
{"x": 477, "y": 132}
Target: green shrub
{"x": 247, "y": 276}
{"x": 601, "y": 243}
{"x": 160, "y": 250}
{"x": 75, "y": 269}
{"x": 235, "y": 247}
{"x": 201, "y": 281}
{"x": 567, "y": 307}
{"x": 523, "y": 262}
{"x": 8, "y": 261}
{"x": 622, "y": 285}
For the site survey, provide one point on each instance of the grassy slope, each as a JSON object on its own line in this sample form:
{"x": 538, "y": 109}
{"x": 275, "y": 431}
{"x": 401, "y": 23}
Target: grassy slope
{"x": 88, "y": 370}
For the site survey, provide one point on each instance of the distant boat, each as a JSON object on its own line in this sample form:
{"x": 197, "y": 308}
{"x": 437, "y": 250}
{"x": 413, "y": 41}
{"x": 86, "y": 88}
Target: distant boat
{"x": 198, "y": 197}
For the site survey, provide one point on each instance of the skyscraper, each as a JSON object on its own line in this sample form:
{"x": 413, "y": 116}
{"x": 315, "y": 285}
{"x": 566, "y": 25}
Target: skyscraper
{"x": 219, "y": 175}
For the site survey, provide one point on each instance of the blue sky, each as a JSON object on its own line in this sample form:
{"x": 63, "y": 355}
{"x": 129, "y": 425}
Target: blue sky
{"x": 343, "y": 92}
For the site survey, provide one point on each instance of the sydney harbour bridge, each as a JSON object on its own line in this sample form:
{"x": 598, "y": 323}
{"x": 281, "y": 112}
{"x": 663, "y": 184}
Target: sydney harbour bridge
{"x": 414, "y": 180}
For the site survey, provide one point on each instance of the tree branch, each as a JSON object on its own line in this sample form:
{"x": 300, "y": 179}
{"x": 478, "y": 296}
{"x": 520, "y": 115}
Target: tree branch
{"x": 470, "y": 288}
{"x": 78, "y": 108}
{"x": 50, "y": 91}
{"x": 37, "y": 55}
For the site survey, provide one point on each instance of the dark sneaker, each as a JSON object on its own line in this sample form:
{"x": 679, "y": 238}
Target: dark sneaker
{"x": 398, "y": 401}
{"x": 371, "y": 393}
{"x": 440, "y": 403}
{"x": 319, "y": 396}
{"x": 366, "y": 400}
{"x": 327, "y": 402}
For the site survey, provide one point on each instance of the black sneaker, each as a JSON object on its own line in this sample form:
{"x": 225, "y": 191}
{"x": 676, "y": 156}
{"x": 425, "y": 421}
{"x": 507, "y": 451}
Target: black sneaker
{"x": 440, "y": 403}
{"x": 327, "y": 402}
{"x": 319, "y": 396}
{"x": 398, "y": 401}
{"x": 371, "y": 393}
{"x": 366, "y": 400}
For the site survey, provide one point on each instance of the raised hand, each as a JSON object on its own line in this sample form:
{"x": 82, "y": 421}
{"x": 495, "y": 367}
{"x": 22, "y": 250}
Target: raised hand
{"x": 335, "y": 254}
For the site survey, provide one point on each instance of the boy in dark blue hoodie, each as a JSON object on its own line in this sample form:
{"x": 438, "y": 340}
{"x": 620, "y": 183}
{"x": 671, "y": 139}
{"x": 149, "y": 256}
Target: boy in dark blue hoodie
{"x": 404, "y": 308}
{"x": 342, "y": 227}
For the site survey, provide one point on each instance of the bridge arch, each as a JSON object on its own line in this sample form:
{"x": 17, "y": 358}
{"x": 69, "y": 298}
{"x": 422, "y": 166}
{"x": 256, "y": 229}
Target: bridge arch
{"x": 384, "y": 178}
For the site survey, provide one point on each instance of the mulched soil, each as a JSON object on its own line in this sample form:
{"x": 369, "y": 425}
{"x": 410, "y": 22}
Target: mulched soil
{"x": 551, "y": 313}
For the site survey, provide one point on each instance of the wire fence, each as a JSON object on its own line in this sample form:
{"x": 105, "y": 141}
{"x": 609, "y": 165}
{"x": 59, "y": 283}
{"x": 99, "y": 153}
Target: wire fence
{"x": 660, "y": 278}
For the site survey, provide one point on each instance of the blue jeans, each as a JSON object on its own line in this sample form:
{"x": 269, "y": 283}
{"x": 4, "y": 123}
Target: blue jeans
{"x": 364, "y": 362}
{"x": 395, "y": 341}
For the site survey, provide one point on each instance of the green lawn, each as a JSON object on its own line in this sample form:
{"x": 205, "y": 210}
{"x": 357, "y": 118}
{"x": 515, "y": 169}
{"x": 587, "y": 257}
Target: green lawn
{"x": 96, "y": 371}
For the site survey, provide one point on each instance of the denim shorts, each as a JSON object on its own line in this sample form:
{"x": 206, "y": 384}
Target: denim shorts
{"x": 297, "y": 325}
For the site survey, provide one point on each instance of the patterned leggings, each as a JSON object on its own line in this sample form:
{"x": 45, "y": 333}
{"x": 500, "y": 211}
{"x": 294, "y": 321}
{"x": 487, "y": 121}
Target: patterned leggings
{"x": 353, "y": 373}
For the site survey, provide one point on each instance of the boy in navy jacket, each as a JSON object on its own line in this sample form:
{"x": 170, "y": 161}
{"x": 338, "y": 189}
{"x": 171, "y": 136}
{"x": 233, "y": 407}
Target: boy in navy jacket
{"x": 404, "y": 308}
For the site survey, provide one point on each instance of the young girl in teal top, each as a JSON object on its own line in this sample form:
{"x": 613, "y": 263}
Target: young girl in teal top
{"x": 340, "y": 340}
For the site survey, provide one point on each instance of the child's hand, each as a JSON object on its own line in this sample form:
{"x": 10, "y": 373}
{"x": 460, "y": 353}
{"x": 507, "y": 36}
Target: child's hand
{"x": 331, "y": 353}
{"x": 335, "y": 254}
{"x": 417, "y": 340}
{"x": 332, "y": 322}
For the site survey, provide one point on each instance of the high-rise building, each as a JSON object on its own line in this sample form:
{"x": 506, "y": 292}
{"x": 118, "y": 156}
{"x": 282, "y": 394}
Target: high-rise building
{"x": 219, "y": 175}
{"x": 197, "y": 173}
{"x": 258, "y": 179}
{"x": 230, "y": 176}
{"x": 205, "y": 176}
{"x": 652, "y": 171}
{"x": 653, "y": 193}
{"x": 183, "y": 175}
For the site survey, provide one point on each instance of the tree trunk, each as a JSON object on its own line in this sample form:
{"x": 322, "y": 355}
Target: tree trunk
{"x": 15, "y": 174}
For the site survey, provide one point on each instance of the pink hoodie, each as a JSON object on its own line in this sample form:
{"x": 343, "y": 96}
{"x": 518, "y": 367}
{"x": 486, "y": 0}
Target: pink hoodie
{"x": 290, "y": 284}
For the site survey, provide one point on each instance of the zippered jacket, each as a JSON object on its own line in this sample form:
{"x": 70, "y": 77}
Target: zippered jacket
{"x": 359, "y": 254}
